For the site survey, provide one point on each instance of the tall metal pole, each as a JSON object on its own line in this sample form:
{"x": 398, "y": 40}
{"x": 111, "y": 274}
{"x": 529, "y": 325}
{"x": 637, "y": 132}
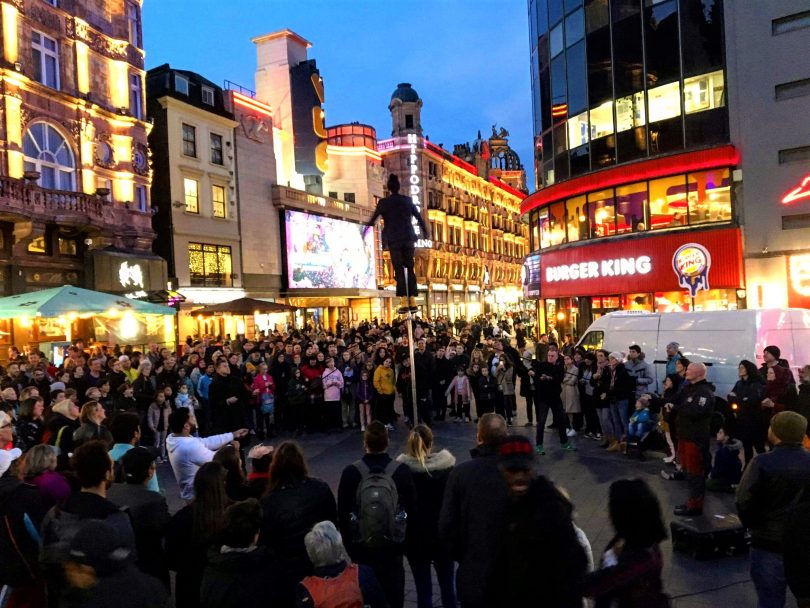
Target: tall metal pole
{"x": 409, "y": 326}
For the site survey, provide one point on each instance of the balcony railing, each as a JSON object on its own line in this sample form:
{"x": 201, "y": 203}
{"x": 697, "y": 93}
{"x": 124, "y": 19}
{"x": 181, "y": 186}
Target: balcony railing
{"x": 284, "y": 197}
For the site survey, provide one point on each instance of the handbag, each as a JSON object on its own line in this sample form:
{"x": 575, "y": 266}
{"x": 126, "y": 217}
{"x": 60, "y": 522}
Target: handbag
{"x": 268, "y": 403}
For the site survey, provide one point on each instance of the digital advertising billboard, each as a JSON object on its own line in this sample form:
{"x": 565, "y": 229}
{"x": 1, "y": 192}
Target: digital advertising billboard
{"x": 327, "y": 253}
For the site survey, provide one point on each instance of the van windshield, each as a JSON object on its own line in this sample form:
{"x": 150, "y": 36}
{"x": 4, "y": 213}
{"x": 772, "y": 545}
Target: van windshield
{"x": 593, "y": 340}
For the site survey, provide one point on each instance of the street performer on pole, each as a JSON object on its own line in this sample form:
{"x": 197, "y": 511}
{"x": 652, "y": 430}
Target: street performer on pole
{"x": 399, "y": 237}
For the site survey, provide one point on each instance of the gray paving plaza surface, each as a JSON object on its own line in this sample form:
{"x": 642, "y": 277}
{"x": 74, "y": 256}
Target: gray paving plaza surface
{"x": 586, "y": 475}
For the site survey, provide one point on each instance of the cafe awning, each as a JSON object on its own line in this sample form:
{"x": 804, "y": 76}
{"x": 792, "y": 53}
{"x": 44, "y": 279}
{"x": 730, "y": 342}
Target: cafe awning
{"x": 68, "y": 300}
{"x": 244, "y": 307}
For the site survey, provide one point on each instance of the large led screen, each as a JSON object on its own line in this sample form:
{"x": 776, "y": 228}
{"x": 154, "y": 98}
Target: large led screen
{"x": 326, "y": 253}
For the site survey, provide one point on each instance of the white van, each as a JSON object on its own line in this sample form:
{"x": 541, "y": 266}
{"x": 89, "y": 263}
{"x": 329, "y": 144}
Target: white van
{"x": 721, "y": 339}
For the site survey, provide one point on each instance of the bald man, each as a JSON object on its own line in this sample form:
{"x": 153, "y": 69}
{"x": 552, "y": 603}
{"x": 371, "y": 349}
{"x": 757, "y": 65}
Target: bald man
{"x": 694, "y": 411}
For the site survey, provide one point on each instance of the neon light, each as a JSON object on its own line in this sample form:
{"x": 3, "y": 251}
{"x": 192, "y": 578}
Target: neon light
{"x": 415, "y": 188}
{"x": 633, "y": 172}
{"x": 800, "y": 274}
{"x": 252, "y": 104}
{"x": 803, "y": 191}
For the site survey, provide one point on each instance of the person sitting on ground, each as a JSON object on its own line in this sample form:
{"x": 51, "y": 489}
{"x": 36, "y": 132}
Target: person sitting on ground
{"x": 729, "y": 461}
{"x": 240, "y": 573}
{"x": 630, "y": 571}
{"x": 336, "y": 581}
{"x": 187, "y": 453}
{"x": 641, "y": 421}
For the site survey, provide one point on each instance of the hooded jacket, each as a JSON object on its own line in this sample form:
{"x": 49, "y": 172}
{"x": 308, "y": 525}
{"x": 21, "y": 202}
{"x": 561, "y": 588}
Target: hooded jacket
{"x": 643, "y": 374}
{"x": 188, "y": 454}
{"x": 430, "y": 479}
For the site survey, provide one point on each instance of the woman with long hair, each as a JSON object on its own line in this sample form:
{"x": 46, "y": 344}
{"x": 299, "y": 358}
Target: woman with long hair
{"x": 91, "y": 416}
{"x": 236, "y": 486}
{"x": 430, "y": 471}
{"x": 30, "y": 425}
{"x": 193, "y": 529}
{"x": 630, "y": 572}
{"x": 751, "y": 421}
{"x": 292, "y": 504}
{"x": 386, "y": 388}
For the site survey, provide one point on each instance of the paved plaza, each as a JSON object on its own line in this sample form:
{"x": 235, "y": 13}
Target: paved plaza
{"x": 586, "y": 475}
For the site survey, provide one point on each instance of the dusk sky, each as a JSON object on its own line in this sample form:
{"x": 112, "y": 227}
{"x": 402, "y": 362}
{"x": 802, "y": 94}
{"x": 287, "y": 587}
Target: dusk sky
{"x": 467, "y": 59}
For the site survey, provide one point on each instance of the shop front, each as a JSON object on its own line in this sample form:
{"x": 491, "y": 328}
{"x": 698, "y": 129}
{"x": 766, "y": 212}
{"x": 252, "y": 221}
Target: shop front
{"x": 681, "y": 271}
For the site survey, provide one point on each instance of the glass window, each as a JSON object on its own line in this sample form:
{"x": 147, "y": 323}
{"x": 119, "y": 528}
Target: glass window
{"x": 555, "y": 11}
{"x": 189, "y": 140}
{"x": 574, "y": 27}
{"x": 181, "y": 84}
{"x": 661, "y": 41}
{"x": 630, "y": 112}
{"x": 631, "y": 208}
{"x": 664, "y": 101}
{"x": 560, "y": 140}
{"x": 600, "y": 61}
{"x": 191, "y": 192}
{"x": 135, "y": 97}
{"x": 218, "y": 201}
{"x": 133, "y": 24}
{"x": 602, "y": 213}
{"x": 578, "y": 130}
{"x": 216, "y": 149}
{"x": 577, "y": 220}
{"x": 580, "y": 160}
{"x": 67, "y": 246}
{"x": 628, "y": 57}
{"x": 704, "y": 92}
{"x": 597, "y": 15}
{"x": 556, "y": 40}
{"x": 38, "y": 245}
{"x": 668, "y": 202}
{"x": 46, "y": 151}
{"x": 709, "y": 196}
{"x": 209, "y": 265}
{"x": 208, "y": 96}
{"x": 572, "y": 4}
{"x": 141, "y": 199}
{"x": 701, "y": 35}
{"x": 577, "y": 78}
{"x": 45, "y": 55}
{"x": 602, "y": 120}
{"x": 559, "y": 93}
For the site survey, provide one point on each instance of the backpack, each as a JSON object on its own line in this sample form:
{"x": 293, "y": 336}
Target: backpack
{"x": 378, "y": 520}
{"x": 18, "y": 541}
{"x": 58, "y": 528}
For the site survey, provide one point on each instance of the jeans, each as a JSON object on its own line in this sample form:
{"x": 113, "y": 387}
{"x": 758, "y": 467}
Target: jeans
{"x": 620, "y": 415}
{"x": 768, "y": 574}
{"x": 401, "y": 260}
{"x": 606, "y": 420}
{"x": 424, "y": 585}
{"x": 541, "y": 409}
{"x": 530, "y": 407}
{"x": 390, "y": 573}
{"x": 637, "y": 430}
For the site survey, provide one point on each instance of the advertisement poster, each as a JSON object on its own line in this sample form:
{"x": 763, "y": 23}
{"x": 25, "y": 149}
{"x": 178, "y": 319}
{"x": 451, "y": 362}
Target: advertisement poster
{"x": 326, "y": 253}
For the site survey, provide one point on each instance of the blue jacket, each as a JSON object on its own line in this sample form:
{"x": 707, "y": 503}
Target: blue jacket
{"x": 204, "y": 386}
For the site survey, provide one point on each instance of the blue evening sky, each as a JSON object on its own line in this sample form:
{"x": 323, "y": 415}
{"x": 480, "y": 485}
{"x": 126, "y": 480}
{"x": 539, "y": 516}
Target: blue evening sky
{"x": 467, "y": 59}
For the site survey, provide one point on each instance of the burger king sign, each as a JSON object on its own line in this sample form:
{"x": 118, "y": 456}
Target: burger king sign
{"x": 691, "y": 264}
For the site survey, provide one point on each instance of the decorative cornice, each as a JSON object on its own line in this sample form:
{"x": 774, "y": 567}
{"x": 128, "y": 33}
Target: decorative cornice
{"x": 119, "y": 50}
{"x": 18, "y": 4}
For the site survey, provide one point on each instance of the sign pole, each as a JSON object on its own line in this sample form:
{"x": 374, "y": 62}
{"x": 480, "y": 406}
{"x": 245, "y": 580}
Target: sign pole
{"x": 409, "y": 326}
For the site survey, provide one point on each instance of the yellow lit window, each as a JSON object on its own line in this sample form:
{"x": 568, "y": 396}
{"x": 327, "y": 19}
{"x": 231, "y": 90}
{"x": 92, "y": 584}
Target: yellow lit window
{"x": 602, "y": 120}
{"x": 218, "y": 200}
{"x": 578, "y": 131}
{"x": 630, "y": 112}
{"x": 191, "y": 190}
{"x": 709, "y": 196}
{"x": 704, "y": 92}
{"x": 664, "y": 101}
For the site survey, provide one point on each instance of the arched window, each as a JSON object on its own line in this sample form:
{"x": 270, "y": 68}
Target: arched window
{"x": 49, "y": 153}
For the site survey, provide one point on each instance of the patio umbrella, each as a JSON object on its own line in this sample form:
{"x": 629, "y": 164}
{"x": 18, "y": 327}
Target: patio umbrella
{"x": 245, "y": 307}
{"x": 67, "y": 300}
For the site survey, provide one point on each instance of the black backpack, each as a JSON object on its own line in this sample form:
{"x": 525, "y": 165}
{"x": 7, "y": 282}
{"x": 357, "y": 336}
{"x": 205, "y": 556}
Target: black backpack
{"x": 19, "y": 541}
{"x": 378, "y": 520}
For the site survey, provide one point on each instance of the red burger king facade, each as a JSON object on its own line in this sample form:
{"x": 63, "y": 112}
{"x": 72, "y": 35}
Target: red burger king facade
{"x": 591, "y": 257}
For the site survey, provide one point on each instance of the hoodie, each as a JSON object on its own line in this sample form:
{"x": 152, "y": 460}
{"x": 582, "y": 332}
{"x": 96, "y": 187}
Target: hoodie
{"x": 188, "y": 454}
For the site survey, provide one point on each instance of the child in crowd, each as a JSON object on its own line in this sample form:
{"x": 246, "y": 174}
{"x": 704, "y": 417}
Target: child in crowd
{"x": 184, "y": 399}
{"x": 729, "y": 461}
{"x": 157, "y": 417}
{"x": 640, "y": 422}
{"x": 364, "y": 393}
{"x": 460, "y": 392}
{"x": 487, "y": 392}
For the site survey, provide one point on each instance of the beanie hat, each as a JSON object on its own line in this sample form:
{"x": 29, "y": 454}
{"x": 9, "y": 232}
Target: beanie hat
{"x": 673, "y": 345}
{"x": 616, "y": 355}
{"x": 774, "y": 350}
{"x": 789, "y": 427}
{"x": 58, "y": 386}
{"x": 516, "y": 452}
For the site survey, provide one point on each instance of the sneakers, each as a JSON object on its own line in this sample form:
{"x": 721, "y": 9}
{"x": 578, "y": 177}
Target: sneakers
{"x": 672, "y": 476}
{"x": 568, "y": 447}
{"x": 669, "y": 459}
{"x": 593, "y": 436}
{"x": 362, "y": 428}
{"x": 466, "y": 419}
{"x": 539, "y": 450}
{"x": 571, "y": 433}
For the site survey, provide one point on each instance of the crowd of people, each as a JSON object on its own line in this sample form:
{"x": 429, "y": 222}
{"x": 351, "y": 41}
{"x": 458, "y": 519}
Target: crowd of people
{"x": 85, "y": 515}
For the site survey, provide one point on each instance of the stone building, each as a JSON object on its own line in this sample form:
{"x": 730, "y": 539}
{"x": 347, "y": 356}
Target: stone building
{"x": 74, "y": 162}
{"x": 471, "y": 198}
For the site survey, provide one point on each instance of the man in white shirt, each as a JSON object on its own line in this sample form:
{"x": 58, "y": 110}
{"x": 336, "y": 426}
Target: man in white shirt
{"x": 188, "y": 453}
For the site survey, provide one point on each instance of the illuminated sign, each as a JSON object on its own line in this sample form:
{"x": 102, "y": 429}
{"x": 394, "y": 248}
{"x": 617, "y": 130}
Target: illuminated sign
{"x": 691, "y": 264}
{"x": 797, "y": 194}
{"x": 619, "y": 267}
{"x": 130, "y": 275}
{"x": 415, "y": 189}
{"x": 799, "y": 270}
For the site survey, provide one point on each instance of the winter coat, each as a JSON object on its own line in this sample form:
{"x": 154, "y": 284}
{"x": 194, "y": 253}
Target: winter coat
{"x": 18, "y": 501}
{"x": 242, "y": 579}
{"x": 506, "y": 380}
{"x": 90, "y": 431}
{"x": 727, "y": 465}
{"x": 570, "y": 391}
{"x": 397, "y": 212}
{"x": 53, "y": 488}
{"x": 464, "y": 392}
{"x": 769, "y": 491}
{"x": 601, "y": 386}
{"x": 643, "y": 374}
{"x": 125, "y": 587}
{"x": 288, "y": 514}
{"x": 634, "y": 582}
{"x": 487, "y": 388}
{"x": 365, "y": 391}
{"x": 471, "y": 522}
{"x": 694, "y": 409}
{"x": 751, "y": 420}
{"x": 622, "y": 386}
{"x": 332, "y": 384}
{"x": 188, "y": 454}
{"x": 430, "y": 479}
{"x": 781, "y": 390}
{"x": 144, "y": 389}
{"x": 227, "y": 416}
{"x": 384, "y": 382}
{"x": 264, "y": 384}
{"x": 425, "y": 368}
{"x": 30, "y": 432}
{"x": 803, "y": 403}
{"x": 547, "y": 390}
{"x": 153, "y": 416}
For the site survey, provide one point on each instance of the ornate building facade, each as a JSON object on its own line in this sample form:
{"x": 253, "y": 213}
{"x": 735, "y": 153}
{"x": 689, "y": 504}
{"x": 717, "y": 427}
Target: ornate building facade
{"x": 471, "y": 199}
{"x": 74, "y": 190}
